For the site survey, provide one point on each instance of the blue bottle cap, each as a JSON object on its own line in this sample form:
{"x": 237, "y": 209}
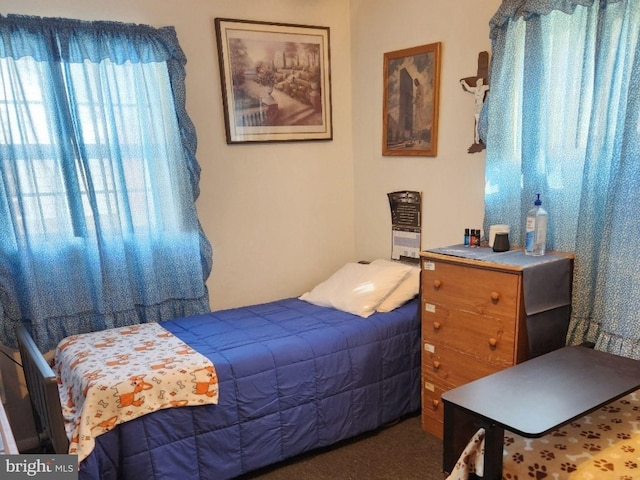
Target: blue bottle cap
{"x": 538, "y": 201}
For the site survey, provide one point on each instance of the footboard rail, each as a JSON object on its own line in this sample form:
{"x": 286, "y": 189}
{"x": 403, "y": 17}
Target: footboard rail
{"x": 42, "y": 385}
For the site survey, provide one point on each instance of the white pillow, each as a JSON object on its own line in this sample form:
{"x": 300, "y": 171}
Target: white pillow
{"x": 357, "y": 288}
{"x": 405, "y": 291}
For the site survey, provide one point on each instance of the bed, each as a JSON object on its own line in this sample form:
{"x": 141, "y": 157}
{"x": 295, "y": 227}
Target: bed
{"x": 292, "y": 375}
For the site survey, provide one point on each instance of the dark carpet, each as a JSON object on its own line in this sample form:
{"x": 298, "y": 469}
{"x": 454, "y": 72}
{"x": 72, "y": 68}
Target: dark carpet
{"x": 402, "y": 451}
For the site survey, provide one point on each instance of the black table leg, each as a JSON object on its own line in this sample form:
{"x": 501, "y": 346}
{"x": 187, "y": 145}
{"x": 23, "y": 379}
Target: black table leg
{"x": 493, "y": 447}
{"x": 459, "y": 427}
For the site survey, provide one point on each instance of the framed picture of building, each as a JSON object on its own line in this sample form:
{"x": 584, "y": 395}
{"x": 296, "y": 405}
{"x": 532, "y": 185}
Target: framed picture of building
{"x": 276, "y": 81}
{"x": 410, "y": 104}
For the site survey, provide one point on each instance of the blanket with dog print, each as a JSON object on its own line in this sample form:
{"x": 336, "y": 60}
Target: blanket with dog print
{"x": 112, "y": 376}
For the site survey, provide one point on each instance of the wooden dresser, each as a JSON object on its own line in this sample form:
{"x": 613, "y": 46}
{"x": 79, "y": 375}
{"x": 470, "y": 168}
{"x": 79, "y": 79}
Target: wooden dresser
{"x": 474, "y": 319}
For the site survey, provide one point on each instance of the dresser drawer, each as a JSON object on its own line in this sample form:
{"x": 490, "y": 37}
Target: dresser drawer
{"x": 432, "y": 408}
{"x": 441, "y": 366}
{"x": 433, "y": 425}
{"x": 491, "y": 339}
{"x": 441, "y": 372}
{"x": 476, "y": 290}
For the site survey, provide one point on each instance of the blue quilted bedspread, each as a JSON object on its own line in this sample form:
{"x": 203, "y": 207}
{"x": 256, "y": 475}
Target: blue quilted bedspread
{"x": 292, "y": 377}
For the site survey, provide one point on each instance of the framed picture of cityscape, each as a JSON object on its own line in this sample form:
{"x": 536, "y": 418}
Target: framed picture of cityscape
{"x": 410, "y": 104}
{"x": 276, "y": 81}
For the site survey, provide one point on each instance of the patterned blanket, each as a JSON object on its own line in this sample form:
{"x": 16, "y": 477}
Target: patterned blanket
{"x": 604, "y": 445}
{"x": 116, "y": 375}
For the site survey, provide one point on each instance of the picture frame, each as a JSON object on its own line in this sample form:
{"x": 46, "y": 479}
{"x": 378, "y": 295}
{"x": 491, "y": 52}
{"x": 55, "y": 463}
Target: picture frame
{"x": 411, "y": 101}
{"x": 276, "y": 81}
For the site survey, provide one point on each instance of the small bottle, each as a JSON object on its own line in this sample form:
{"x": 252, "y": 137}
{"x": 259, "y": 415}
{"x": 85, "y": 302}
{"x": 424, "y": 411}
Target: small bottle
{"x": 473, "y": 238}
{"x": 466, "y": 237}
{"x": 477, "y": 237}
{"x": 535, "y": 235}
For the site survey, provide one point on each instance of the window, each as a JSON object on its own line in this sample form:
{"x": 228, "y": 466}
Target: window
{"x": 98, "y": 179}
{"x": 563, "y": 120}
{"x": 46, "y": 177}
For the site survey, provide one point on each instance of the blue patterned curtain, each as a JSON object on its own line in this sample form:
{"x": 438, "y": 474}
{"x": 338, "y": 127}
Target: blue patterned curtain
{"x": 563, "y": 120}
{"x": 98, "y": 179}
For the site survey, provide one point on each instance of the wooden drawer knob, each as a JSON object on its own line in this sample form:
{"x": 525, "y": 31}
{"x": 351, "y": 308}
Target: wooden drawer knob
{"x": 437, "y": 284}
{"x": 436, "y": 365}
{"x": 435, "y": 403}
{"x": 495, "y": 296}
{"x": 436, "y": 325}
{"x": 493, "y": 343}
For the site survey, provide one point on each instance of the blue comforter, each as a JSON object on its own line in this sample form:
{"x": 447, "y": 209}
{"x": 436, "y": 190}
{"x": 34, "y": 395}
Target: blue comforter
{"x": 292, "y": 377}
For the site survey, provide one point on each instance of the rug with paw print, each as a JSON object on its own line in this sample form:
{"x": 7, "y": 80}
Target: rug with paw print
{"x": 600, "y": 446}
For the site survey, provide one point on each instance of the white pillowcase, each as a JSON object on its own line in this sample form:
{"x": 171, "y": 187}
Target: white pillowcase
{"x": 358, "y": 288}
{"x": 405, "y": 291}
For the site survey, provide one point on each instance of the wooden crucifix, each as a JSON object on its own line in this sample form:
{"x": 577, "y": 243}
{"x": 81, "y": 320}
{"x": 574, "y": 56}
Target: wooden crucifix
{"x": 478, "y": 86}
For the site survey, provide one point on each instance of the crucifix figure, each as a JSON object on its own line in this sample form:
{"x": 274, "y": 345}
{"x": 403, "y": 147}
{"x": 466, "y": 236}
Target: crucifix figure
{"x": 479, "y": 87}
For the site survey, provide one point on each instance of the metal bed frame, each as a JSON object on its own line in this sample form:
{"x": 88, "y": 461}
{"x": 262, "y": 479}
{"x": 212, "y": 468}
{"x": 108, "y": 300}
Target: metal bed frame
{"x": 42, "y": 385}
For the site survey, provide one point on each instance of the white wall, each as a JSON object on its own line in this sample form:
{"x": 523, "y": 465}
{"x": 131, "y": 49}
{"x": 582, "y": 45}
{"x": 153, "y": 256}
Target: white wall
{"x": 282, "y": 217}
{"x": 279, "y": 216}
{"x": 452, "y": 183}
